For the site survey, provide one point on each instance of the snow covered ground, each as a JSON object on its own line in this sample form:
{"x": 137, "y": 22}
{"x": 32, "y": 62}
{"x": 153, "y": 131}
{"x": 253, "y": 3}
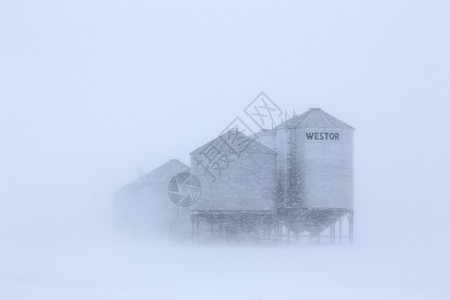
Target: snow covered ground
{"x": 141, "y": 270}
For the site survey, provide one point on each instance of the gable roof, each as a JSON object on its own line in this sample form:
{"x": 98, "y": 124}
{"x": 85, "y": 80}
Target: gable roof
{"x": 235, "y": 141}
{"x": 158, "y": 176}
{"x": 165, "y": 170}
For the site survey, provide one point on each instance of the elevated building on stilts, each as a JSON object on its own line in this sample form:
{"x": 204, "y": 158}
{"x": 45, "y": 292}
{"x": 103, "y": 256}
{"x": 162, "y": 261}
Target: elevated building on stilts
{"x": 291, "y": 182}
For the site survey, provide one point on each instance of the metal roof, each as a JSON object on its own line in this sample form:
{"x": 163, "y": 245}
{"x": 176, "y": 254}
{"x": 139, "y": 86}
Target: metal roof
{"x": 314, "y": 118}
{"x": 158, "y": 176}
{"x": 263, "y": 132}
{"x": 233, "y": 141}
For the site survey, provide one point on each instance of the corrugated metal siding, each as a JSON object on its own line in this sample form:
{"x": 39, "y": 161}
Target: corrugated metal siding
{"x": 247, "y": 184}
{"x": 326, "y": 168}
{"x": 323, "y": 168}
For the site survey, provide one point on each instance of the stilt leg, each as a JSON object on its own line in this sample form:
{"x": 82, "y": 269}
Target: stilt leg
{"x": 332, "y": 233}
{"x": 350, "y": 227}
{"x": 192, "y": 228}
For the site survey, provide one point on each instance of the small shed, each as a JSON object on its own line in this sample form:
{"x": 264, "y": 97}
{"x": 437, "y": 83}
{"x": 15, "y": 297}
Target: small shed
{"x": 144, "y": 206}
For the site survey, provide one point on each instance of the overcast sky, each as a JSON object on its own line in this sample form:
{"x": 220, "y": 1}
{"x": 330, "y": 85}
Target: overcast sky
{"x": 90, "y": 91}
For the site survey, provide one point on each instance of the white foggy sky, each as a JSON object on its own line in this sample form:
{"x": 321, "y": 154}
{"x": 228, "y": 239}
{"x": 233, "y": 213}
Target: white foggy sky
{"x": 90, "y": 91}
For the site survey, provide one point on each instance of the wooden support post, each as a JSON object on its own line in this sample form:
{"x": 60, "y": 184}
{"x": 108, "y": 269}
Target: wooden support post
{"x": 192, "y": 228}
{"x": 288, "y": 233}
{"x": 197, "y": 227}
{"x": 350, "y": 227}
{"x": 333, "y": 233}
